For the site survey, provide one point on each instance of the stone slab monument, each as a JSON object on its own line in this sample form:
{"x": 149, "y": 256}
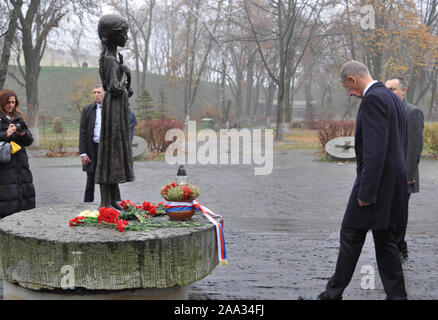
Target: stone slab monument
{"x": 42, "y": 257}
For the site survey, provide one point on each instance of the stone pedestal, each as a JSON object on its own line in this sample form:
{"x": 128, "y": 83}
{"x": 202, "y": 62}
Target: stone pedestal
{"x": 41, "y": 257}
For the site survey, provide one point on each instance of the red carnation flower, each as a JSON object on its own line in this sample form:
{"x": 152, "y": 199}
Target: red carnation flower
{"x": 146, "y": 206}
{"x": 109, "y": 215}
{"x": 126, "y": 204}
{"x": 153, "y": 210}
{"x": 121, "y": 224}
{"x": 76, "y": 221}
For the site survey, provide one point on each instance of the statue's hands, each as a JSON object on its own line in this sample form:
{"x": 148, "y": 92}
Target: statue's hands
{"x": 126, "y": 69}
{"x": 130, "y": 92}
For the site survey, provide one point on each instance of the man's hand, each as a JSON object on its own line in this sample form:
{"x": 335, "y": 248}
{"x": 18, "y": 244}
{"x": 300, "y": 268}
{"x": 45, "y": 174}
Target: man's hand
{"x": 363, "y": 203}
{"x": 85, "y": 160}
{"x": 411, "y": 182}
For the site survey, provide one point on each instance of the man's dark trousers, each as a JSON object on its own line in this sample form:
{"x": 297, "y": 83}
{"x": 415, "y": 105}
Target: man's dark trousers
{"x": 400, "y": 234}
{"x": 388, "y": 262}
{"x": 89, "y": 188}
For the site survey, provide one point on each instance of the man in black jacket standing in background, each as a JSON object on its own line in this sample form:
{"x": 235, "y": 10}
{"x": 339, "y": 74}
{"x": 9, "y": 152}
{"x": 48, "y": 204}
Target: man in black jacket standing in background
{"x": 378, "y": 200}
{"x": 414, "y": 148}
{"x": 89, "y": 136}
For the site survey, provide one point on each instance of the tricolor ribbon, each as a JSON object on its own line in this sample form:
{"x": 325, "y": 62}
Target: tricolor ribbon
{"x": 210, "y": 215}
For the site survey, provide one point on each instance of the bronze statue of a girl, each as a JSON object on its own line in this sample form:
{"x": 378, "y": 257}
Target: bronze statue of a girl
{"x": 114, "y": 162}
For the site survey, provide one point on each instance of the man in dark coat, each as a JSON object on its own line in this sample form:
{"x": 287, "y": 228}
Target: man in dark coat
{"x": 379, "y": 196}
{"x": 89, "y": 137}
{"x": 414, "y": 148}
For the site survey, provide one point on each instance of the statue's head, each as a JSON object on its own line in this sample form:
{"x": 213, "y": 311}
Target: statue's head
{"x": 113, "y": 28}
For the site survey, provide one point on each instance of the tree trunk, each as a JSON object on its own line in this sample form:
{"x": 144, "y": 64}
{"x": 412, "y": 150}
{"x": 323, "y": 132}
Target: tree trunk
{"x": 270, "y": 102}
{"x": 7, "y": 43}
{"x": 222, "y": 90}
{"x": 432, "y": 100}
{"x": 280, "y": 113}
{"x": 249, "y": 87}
{"x": 310, "y": 117}
{"x": 32, "y": 67}
{"x": 286, "y": 102}
{"x": 412, "y": 87}
{"x": 239, "y": 98}
{"x": 32, "y": 74}
{"x": 147, "y": 38}
{"x": 255, "y": 108}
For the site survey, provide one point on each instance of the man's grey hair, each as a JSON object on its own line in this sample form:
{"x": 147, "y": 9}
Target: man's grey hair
{"x": 401, "y": 81}
{"x": 353, "y": 68}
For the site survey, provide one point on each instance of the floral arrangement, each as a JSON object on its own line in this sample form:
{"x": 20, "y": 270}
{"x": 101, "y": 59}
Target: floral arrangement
{"x": 145, "y": 209}
{"x": 174, "y": 192}
{"x": 105, "y": 217}
{"x": 134, "y": 217}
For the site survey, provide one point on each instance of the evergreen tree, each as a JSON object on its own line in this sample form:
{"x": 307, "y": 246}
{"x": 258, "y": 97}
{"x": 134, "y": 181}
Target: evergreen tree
{"x": 145, "y": 106}
{"x": 162, "y": 104}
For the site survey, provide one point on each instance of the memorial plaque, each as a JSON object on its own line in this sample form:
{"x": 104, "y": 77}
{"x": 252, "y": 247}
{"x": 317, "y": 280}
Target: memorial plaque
{"x": 341, "y": 149}
{"x": 139, "y": 148}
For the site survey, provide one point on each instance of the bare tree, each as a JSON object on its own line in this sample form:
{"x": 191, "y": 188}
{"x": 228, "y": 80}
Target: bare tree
{"x": 140, "y": 21}
{"x": 8, "y": 36}
{"x": 37, "y": 19}
{"x": 294, "y": 27}
{"x": 198, "y": 42}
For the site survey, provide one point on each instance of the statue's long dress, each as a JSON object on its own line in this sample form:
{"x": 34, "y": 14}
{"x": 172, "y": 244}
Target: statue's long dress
{"x": 114, "y": 162}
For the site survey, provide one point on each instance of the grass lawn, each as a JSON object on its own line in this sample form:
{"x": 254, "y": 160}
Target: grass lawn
{"x": 300, "y": 139}
{"x": 428, "y": 153}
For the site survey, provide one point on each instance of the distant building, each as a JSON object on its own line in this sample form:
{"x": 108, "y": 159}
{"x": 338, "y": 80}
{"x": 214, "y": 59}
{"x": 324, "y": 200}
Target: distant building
{"x": 59, "y": 58}
{"x": 299, "y": 110}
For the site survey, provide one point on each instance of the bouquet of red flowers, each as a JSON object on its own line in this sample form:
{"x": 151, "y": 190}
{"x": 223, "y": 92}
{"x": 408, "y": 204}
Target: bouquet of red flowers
{"x": 147, "y": 209}
{"x": 186, "y": 192}
{"x": 106, "y": 217}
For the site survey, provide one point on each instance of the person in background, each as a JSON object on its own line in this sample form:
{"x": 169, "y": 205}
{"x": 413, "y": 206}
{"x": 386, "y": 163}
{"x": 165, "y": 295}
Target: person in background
{"x": 414, "y": 148}
{"x": 17, "y": 191}
{"x": 89, "y": 137}
{"x": 132, "y": 123}
{"x": 378, "y": 199}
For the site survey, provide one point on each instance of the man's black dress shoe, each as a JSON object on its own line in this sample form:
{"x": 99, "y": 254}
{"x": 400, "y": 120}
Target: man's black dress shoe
{"x": 324, "y": 296}
{"x": 321, "y": 296}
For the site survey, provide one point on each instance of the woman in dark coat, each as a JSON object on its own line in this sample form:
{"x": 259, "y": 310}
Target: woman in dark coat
{"x": 114, "y": 163}
{"x": 16, "y": 183}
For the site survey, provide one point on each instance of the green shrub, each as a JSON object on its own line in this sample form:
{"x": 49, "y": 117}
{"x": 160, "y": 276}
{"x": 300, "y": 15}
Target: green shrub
{"x": 57, "y": 126}
{"x": 430, "y": 137}
{"x": 56, "y": 145}
{"x": 154, "y": 132}
{"x": 330, "y": 129}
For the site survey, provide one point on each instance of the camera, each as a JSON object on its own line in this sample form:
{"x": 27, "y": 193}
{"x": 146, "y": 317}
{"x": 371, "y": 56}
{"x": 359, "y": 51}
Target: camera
{"x": 20, "y": 125}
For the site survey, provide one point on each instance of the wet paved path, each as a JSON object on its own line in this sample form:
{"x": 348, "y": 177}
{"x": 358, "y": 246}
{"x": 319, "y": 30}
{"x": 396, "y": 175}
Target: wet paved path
{"x": 282, "y": 230}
